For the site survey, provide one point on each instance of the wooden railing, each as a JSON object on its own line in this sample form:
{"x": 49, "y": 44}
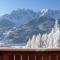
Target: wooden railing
{"x": 29, "y": 54}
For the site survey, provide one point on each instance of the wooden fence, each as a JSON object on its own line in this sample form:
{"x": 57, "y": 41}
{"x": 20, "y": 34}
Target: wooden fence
{"x": 29, "y": 54}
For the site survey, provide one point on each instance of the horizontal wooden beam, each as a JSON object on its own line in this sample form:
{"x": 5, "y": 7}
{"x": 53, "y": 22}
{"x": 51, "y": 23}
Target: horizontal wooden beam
{"x": 29, "y": 49}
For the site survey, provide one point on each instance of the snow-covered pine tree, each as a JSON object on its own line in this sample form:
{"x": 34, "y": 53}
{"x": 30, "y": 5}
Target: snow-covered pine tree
{"x": 44, "y": 40}
{"x": 51, "y": 40}
{"x": 28, "y": 44}
{"x": 38, "y": 41}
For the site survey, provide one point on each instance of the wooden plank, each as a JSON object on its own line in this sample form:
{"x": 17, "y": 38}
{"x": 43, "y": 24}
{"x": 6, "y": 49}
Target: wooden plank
{"x": 53, "y": 57}
{"x": 42, "y": 56}
{"x": 29, "y": 49}
{"x": 32, "y": 56}
{"x": 39, "y": 57}
{"x": 57, "y": 56}
{"x": 5, "y": 57}
{"x": 11, "y": 56}
{"x": 17, "y": 57}
{"x": 1, "y": 58}
{"x": 24, "y": 57}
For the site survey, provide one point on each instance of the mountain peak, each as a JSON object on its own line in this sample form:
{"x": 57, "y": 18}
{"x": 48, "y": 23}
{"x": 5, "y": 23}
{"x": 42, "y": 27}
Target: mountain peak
{"x": 44, "y": 10}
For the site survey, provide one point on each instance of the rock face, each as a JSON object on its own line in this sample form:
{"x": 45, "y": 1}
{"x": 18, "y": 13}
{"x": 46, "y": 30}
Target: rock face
{"x": 51, "y": 40}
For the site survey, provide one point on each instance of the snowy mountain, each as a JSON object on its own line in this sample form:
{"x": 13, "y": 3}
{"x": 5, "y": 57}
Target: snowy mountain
{"x": 24, "y": 23}
{"x": 23, "y": 16}
{"x": 34, "y": 27}
{"x": 19, "y": 16}
{"x": 52, "y": 13}
{"x": 6, "y": 23}
{"x": 51, "y": 40}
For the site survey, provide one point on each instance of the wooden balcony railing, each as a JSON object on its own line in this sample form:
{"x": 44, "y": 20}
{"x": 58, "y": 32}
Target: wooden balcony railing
{"x": 29, "y": 54}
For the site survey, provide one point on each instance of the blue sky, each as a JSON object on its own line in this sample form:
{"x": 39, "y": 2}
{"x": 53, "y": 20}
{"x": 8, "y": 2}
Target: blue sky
{"x": 6, "y": 6}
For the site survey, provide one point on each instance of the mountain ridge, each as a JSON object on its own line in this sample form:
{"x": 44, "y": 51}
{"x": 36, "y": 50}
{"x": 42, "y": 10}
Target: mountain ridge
{"x": 38, "y": 23}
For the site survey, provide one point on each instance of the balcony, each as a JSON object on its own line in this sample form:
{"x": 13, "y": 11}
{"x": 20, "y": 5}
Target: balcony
{"x": 29, "y": 54}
